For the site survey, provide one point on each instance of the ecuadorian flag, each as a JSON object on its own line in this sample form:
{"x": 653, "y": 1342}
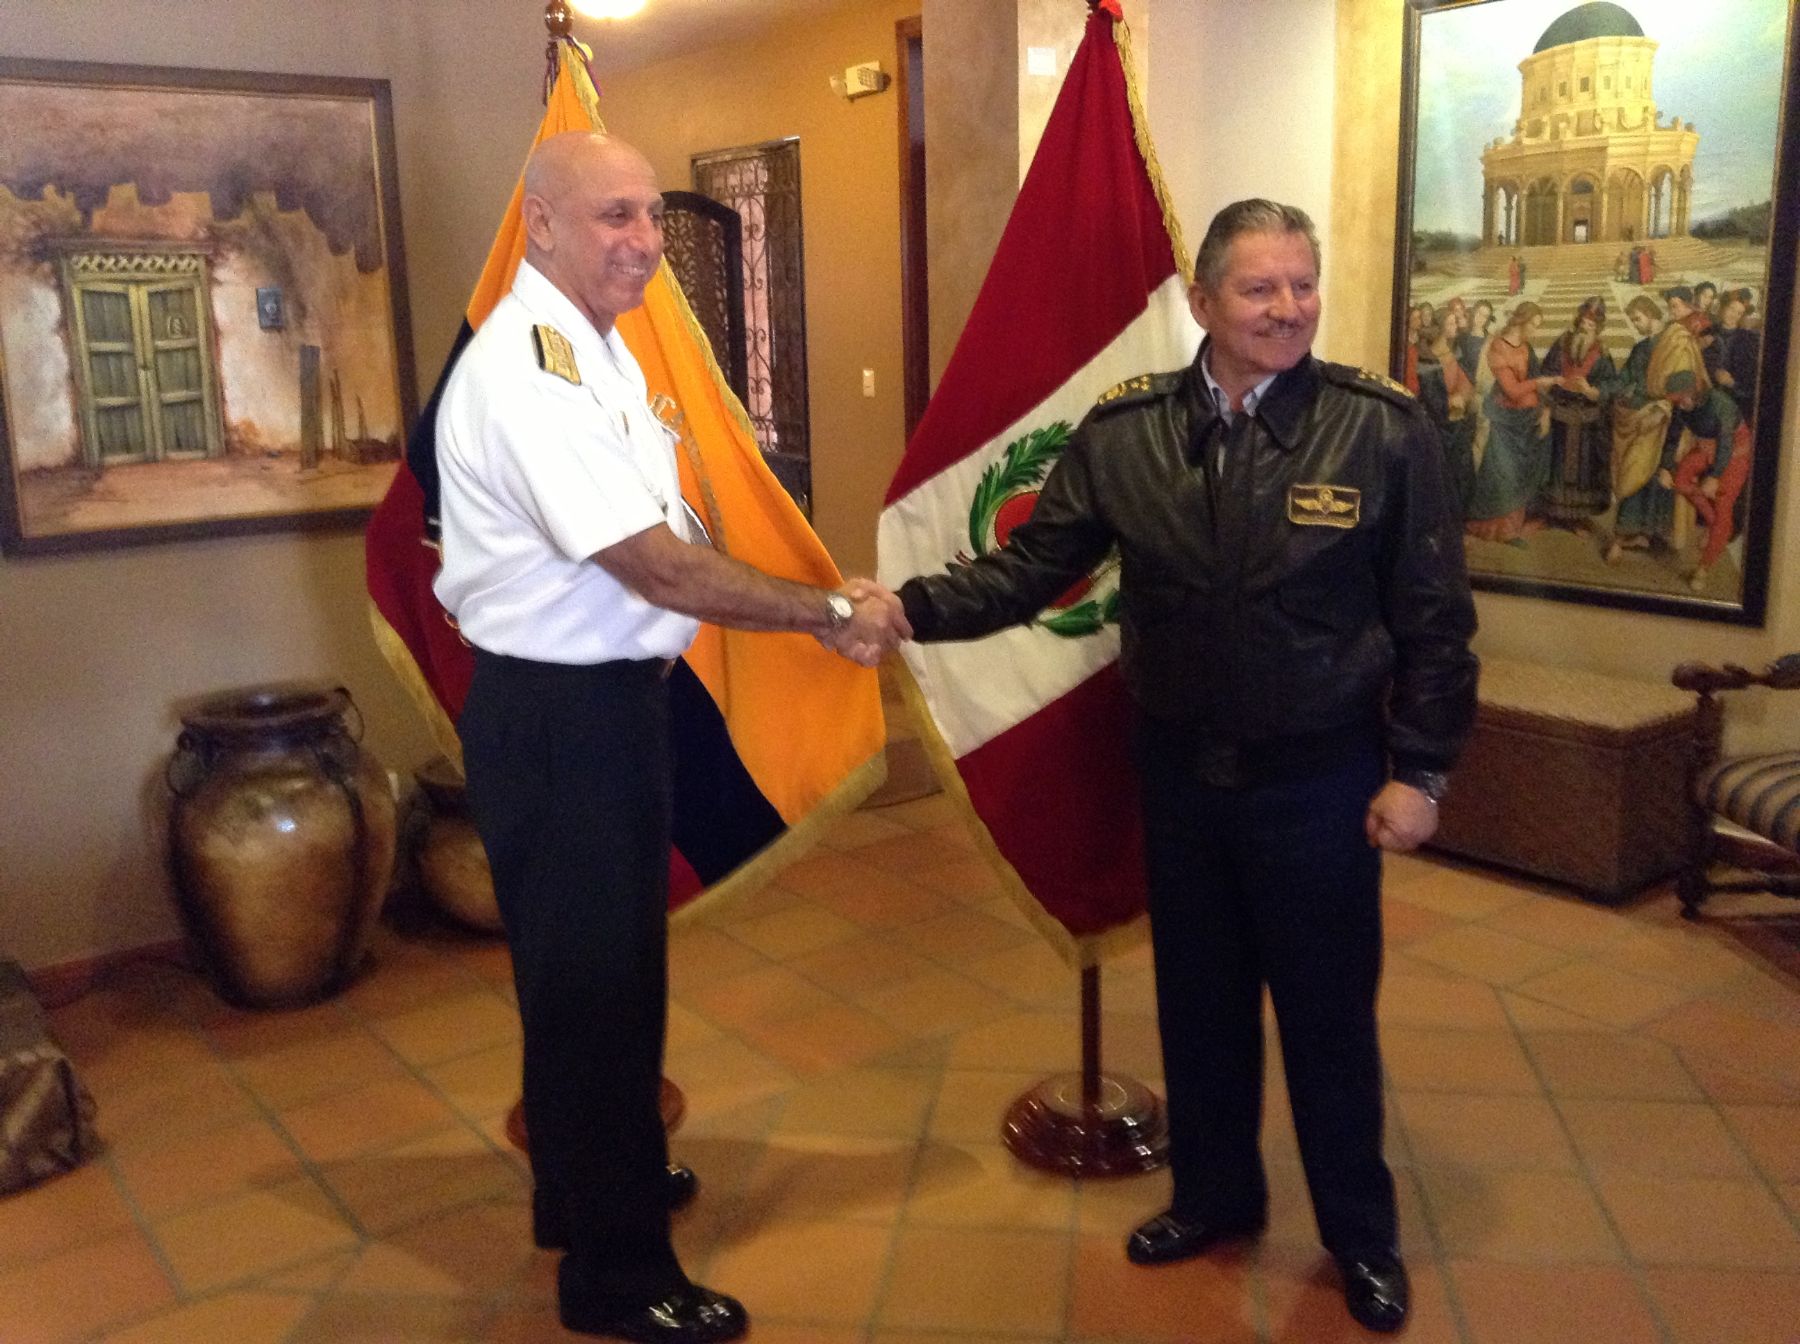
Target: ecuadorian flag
{"x": 774, "y": 735}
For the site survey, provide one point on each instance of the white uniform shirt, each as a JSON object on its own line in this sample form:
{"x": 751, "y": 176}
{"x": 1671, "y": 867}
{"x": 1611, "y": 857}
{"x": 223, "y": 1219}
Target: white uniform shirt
{"x": 538, "y": 473}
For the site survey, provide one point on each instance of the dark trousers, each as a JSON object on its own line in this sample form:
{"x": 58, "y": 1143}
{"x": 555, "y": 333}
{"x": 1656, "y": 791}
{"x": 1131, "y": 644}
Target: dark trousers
{"x": 568, "y": 781}
{"x": 1274, "y": 883}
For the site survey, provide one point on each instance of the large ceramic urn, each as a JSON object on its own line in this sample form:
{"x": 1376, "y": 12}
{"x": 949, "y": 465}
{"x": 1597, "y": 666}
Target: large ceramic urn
{"x": 453, "y": 866}
{"x": 281, "y": 839}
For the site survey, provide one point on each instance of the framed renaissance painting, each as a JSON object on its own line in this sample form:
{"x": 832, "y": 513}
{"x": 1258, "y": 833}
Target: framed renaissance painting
{"x": 203, "y": 318}
{"x": 1594, "y": 276}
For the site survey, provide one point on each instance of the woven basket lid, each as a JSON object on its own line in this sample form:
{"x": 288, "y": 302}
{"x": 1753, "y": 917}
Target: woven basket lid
{"x": 1579, "y": 698}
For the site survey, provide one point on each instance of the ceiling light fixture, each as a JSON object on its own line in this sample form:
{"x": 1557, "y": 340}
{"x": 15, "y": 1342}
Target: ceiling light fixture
{"x": 607, "y": 9}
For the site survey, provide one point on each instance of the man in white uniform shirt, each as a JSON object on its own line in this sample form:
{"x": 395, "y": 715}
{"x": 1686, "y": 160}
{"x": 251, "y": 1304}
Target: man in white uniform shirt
{"x": 571, "y": 566}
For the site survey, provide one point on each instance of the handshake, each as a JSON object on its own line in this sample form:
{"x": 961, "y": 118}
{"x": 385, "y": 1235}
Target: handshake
{"x": 877, "y": 624}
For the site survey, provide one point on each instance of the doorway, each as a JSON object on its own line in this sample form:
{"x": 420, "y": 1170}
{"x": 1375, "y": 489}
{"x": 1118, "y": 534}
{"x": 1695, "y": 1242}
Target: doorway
{"x": 143, "y": 356}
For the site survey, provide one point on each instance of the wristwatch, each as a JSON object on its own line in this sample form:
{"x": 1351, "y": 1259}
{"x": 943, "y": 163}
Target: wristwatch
{"x": 838, "y": 612}
{"x": 1434, "y": 784}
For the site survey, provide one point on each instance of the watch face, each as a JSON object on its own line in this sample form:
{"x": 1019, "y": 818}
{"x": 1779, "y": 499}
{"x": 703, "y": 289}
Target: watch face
{"x": 841, "y": 610}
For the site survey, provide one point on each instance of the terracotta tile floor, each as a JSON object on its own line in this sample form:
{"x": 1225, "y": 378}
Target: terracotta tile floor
{"x": 1594, "y": 1122}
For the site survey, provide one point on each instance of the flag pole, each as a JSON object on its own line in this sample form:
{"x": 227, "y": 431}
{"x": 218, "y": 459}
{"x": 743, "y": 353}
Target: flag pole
{"x": 1089, "y": 1123}
{"x": 559, "y": 21}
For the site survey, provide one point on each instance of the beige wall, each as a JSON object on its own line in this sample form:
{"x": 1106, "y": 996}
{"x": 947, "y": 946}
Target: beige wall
{"x": 984, "y": 114}
{"x": 1232, "y": 121}
{"x": 971, "y": 153}
{"x": 767, "y": 89}
{"x": 98, "y": 648}
{"x": 1358, "y": 283}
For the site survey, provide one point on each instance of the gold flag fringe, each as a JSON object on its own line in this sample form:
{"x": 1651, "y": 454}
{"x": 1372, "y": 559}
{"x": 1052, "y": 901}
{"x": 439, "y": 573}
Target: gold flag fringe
{"x": 575, "y": 56}
{"x": 418, "y": 690}
{"x": 1078, "y": 950}
{"x": 1140, "y": 129}
{"x": 791, "y": 845}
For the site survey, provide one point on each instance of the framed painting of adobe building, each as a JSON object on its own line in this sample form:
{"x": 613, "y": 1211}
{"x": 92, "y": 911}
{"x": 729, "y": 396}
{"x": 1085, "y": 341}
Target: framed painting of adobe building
{"x": 203, "y": 318}
{"x": 1594, "y": 276}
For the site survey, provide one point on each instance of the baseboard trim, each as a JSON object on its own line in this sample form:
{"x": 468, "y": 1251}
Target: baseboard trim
{"x": 69, "y": 980}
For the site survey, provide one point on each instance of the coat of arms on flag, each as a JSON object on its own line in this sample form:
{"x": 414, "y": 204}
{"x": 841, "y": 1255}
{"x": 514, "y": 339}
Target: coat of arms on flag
{"x": 1005, "y": 498}
{"x": 1086, "y": 294}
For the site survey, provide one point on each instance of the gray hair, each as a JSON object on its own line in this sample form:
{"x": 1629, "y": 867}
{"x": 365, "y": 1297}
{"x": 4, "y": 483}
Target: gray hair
{"x": 1252, "y": 216}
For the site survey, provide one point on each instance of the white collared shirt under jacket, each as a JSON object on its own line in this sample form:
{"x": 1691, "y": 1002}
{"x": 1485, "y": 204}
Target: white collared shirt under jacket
{"x": 537, "y": 474}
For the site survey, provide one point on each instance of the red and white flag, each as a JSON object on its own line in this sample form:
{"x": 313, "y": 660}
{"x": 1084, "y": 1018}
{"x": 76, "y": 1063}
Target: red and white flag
{"x": 1087, "y": 289}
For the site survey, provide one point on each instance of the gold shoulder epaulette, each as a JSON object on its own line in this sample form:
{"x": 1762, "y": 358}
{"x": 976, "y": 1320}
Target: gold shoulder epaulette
{"x": 1130, "y": 387}
{"x": 554, "y": 353}
{"x": 1382, "y": 380}
{"x": 1136, "y": 391}
{"x": 1366, "y": 380}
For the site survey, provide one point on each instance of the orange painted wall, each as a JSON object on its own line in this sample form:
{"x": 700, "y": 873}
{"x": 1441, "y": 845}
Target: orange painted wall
{"x": 770, "y": 88}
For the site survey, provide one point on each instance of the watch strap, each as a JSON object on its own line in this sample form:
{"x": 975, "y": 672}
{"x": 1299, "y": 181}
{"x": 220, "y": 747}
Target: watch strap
{"x": 1434, "y": 784}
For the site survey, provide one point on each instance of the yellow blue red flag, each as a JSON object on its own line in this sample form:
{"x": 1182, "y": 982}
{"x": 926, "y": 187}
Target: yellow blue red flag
{"x": 773, "y": 734}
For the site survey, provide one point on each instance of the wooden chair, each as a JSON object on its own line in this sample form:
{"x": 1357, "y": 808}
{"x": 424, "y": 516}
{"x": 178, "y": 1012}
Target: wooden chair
{"x": 1745, "y": 809}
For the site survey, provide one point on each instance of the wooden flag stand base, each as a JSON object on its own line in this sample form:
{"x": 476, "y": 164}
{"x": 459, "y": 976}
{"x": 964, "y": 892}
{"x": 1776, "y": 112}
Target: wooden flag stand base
{"x": 1088, "y": 1123}
{"x": 672, "y": 1104}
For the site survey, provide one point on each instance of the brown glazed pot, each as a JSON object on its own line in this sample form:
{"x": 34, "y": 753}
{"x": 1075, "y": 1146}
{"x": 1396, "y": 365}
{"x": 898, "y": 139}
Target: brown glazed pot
{"x": 453, "y": 866}
{"x": 281, "y": 839}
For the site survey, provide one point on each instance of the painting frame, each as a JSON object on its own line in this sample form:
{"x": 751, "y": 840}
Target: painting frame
{"x": 169, "y": 264}
{"x": 1657, "y": 590}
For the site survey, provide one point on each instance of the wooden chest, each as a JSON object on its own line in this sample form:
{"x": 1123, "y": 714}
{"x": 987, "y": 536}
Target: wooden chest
{"x": 1575, "y": 777}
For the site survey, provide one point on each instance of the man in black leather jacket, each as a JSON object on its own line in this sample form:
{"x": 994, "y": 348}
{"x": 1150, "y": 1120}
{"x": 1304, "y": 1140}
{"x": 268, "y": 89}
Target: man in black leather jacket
{"x": 1295, "y": 619}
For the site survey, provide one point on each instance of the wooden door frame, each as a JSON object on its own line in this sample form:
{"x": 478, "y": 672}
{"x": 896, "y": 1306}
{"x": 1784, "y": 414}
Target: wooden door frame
{"x": 915, "y": 320}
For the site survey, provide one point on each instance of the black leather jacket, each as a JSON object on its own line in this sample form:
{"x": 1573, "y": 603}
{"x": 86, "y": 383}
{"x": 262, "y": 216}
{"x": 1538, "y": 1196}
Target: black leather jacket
{"x": 1314, "y": 590}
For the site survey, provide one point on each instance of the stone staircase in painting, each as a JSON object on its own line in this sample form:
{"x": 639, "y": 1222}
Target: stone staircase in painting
{"x": 1558, "y": 279}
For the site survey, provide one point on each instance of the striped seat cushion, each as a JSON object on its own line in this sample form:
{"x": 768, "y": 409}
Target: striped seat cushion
{"x": 1759, "y": 793}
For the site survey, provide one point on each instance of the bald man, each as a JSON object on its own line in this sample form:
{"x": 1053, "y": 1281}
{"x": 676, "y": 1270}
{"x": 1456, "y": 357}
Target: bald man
{"x": 573, "y": 568}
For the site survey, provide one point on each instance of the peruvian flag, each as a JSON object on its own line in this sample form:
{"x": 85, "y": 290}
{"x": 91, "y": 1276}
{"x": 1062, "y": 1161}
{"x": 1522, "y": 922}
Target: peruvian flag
{"x": 1087, "y": 289}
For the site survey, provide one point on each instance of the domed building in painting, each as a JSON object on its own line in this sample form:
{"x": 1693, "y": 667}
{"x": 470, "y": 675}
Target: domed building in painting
{"x": 1590, "y": 159}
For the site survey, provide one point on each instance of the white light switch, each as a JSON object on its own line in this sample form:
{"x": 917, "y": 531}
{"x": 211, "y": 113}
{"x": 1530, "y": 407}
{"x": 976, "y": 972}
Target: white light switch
{"x": 1040, "y": 61}
{"x": 868, "y": 382}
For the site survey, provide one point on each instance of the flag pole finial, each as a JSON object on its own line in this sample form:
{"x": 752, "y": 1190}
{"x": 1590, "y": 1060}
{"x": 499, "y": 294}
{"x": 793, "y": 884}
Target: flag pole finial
{"x": 1111, "y": 8}
{"x": 559, "y": 19}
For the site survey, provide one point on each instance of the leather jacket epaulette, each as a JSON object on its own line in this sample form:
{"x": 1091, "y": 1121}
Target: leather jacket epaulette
{"x": 1136, "y": 391}
{"x": 1365, "y": 380}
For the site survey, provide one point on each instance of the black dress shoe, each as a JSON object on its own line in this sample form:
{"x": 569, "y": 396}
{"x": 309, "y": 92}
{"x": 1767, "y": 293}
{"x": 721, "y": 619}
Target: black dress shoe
{"x": 548, "y": 1228}
{"x": 689, "y": 1315}
{"x": 1376, "y": 1290}
{"x": 1169, "y": 1237}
